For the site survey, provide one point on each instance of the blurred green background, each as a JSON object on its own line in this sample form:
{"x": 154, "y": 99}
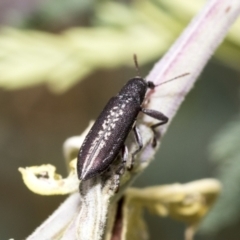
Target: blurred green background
{"x": 43, "y": 101}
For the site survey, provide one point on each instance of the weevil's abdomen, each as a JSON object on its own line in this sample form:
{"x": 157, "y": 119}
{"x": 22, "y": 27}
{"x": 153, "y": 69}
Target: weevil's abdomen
{"x": 106, "y": 138}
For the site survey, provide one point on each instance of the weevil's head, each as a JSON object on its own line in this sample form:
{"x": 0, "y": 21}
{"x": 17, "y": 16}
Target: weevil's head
{"x": 136, "y": 88}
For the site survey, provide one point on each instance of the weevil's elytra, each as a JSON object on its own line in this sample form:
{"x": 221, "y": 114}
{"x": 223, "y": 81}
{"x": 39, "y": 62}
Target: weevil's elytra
{"x": 106, "y": 138}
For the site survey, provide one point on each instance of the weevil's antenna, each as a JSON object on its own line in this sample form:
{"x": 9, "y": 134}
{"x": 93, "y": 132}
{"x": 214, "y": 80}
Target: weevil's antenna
{"x": 136, "y": 64}
{"x": 172, "y": 79}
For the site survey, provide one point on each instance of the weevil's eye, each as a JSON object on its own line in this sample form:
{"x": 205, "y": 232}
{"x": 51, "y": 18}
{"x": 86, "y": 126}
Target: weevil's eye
{"x": 151, "y": 85}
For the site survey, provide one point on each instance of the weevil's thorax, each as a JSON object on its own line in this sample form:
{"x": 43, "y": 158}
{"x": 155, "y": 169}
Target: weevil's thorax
{"x": 135, "y": 88}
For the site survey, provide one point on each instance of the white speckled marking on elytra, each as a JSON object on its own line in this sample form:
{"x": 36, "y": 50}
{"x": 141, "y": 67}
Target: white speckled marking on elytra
{"x": 112, "y": 125}
{"x": 103, "y": 135}
{"x": 113, "y": 113}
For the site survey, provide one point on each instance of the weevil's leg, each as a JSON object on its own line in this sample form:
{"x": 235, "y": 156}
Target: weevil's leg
{"x": 159, "y": 116}
{"x": 138, "y": 138}
{"x": 124, "y": 156}
{"x": 120, "y": 171}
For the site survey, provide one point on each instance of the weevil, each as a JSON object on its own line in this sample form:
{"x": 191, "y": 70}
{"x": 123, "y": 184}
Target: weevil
{"x": 106, "y": 139}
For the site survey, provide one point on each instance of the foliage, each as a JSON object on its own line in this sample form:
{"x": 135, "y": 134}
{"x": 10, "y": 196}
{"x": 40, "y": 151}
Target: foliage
{"x": 225, "y": 152}
{"x": 30, "y": 57}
